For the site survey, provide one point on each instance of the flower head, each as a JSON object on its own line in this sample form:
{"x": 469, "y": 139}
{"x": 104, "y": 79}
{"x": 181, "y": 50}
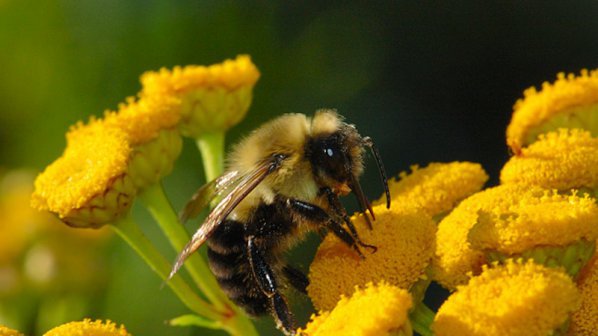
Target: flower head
{"x": 150, "y": 124}
{"x": 88, "y": 327}
{"x": 88, "y": 185}
{"x": 584, "y": 321}
{"x": 438, "y": 187}
{"x": 512, "y": 299}
{"x": 214, "y": 98}
{"x": 569, "y": 102}
{"x": 144, "y": 118}
{"x": 373, "y": 310}
{"x": 455, "y": 257}
{"x": 5, "y": 331}
{"x": 536, "y": 220}
{"x": 558, "y": 160}
{"x": 404, "y": 242}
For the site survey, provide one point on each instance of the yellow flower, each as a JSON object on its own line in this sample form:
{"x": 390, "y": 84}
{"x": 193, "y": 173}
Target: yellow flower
{"x": 513, "y": 299}
{"x": 150, "y": 123}
{"x": 5, "y": 331}
{"x": 375, "y": 310}
{"x": 88, "y": 185}
{"x": 405, "y": 243}
{"x": 438, "y": 187}
{"x": 88, "y": 327}
{"x": 560, "y": 160}
{"x": 536, "y": 223}
{"x": 455, "y": 257}
{"x": 584, "y": 321}
{"x": 144, "y": 118}
{"x": 214, "y": 98}
{"x": 570, "y": 102}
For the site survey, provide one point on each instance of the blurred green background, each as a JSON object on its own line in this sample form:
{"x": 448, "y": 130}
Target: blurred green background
{"x": 429, "y": 81}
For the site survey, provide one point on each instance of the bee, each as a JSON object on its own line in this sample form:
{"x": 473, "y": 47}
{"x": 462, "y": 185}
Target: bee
{"x": 282, "y": 181}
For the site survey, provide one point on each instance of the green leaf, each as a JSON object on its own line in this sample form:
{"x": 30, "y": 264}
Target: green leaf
{"x": 194, "y": 320}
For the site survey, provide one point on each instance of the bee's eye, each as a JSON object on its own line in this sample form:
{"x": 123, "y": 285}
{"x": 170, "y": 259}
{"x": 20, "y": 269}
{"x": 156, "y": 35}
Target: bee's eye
{"x": 327, "y": 157}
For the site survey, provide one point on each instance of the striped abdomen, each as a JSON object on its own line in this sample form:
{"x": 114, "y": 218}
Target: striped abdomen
{"x": 227, "y": 257}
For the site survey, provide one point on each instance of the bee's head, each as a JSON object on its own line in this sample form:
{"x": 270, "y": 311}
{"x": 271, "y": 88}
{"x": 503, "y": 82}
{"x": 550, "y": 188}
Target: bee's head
{"x": 335, "y": 151}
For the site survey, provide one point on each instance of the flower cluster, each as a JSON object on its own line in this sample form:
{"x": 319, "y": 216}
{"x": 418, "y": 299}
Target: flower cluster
{"x": 111, "y": 162}
{"x": 517, "y": 257}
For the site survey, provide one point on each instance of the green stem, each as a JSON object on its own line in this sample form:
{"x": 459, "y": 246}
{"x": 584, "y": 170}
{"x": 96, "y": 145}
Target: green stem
{"x": 132, "y": 234}
{"x": 421, "y": 318}
{"x": 159, "y": 206}
{"x": 211, "y": 146}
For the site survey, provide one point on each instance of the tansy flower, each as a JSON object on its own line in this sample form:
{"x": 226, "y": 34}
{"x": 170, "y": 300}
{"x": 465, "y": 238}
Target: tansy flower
{"x": 88, "y": 186}
{"x": 404, "y": 242}
{"x": 88, "y": 327}
{"x": 455, "y": 257}
{"x": 214, "y": 98}
{"x": 552, "y": 229}
{"x": 438, "y": 187}
{"x": 584, "y": 321}
{"x": 560, "y": 160}
{"x": 5, "y": 331}
{"x": 513, "y": 299}
{"x": 570, "y": 102}
{"x": 373, "y": 311}
{"x": 150, "y": 123}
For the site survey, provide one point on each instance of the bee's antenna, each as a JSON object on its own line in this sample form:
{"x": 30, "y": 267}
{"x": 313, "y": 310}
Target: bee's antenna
{"x": 368, "y": 142}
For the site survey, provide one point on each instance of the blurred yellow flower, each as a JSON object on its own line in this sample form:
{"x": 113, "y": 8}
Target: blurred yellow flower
{"x": 584, "y": 321}
{"x": 405, "y": 243}
{"x": 88, "y": 327}
{"x": 563, "y": 160}
{"x": 570, "y": 102}
{"x": 512, "y": 299}
{"x": 5, "y": 331}
{"x": 438, "y": 187}
{"x": 536, "y": 220}
{"x": 88, "y": 186}
{"x": 455, "y": 258}
{"x": 376, "y": 310}
{"x": 214, "y": 98}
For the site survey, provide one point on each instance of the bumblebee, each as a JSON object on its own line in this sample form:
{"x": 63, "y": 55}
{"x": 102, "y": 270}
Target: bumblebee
{"x": 282, "y": 181}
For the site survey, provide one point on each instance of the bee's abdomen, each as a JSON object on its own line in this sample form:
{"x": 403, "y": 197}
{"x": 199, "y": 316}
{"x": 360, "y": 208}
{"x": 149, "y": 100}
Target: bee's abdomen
{"x": 227, "y": 257}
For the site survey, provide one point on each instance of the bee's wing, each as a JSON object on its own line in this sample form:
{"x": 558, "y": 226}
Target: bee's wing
{"x": 246, "y": 184}
{"x": 207, "y": 193}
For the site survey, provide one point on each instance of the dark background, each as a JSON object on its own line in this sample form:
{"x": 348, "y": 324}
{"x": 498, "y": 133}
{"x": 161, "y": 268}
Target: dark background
{"x": 428, "y": 81}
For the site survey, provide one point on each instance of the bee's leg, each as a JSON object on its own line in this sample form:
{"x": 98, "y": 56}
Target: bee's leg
{"x": 341, "y": 212}
{"x": 267, "y": 282}
{"x": 296, "y": 278}
{"x": 316, "y": 214}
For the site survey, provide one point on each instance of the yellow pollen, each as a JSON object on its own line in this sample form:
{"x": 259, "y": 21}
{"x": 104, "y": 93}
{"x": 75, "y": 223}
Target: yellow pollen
{"x": 516, "y": 299}
{"x": 95, "y": 155}
{"x": 571, "y": 102}
{"x": 560, "y": 160}
{"x": 404, "y": 242}
{"x": 372, "y": 311}
{"x": 438, "y": 187}
{"x": 88, "y": 327}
